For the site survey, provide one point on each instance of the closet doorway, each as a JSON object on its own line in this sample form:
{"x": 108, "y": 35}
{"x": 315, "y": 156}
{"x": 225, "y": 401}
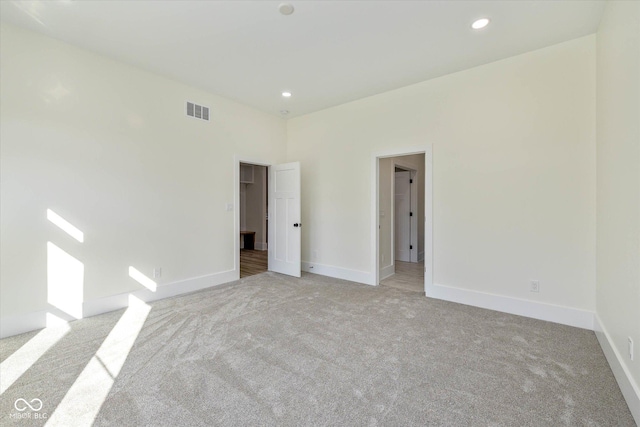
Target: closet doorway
{"x": 253, "y": 219}
{"x": 401, "y": 230}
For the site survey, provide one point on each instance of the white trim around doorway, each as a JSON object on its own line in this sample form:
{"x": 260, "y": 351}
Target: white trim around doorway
{"x": 427, "y": 150}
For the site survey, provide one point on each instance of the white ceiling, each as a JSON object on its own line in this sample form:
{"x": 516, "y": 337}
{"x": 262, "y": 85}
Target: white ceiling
{"x": 326, "y": 53}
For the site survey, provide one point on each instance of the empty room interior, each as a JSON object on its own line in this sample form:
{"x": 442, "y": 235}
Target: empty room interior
{"x": 340, "y": 213}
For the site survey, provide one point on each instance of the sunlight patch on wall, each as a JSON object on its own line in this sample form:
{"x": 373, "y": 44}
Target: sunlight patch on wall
{"x": 33, "y": 9}
{"x": 14, "y": 366}
{"x": 83, "y": 401}
{"x": 65, "y": 225}
{"x": 142, "y": 279}
{"x": 53, "y": 321}
{"x": 65, "y": 281}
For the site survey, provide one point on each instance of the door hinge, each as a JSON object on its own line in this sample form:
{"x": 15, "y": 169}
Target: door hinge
{"x": 410, "y": 213}
{"x": 410, "y": 181}
{"x": 410, "y": 246}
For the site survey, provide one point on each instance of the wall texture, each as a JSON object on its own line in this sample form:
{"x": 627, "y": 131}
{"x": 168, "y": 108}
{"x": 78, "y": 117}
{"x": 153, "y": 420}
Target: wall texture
{"x": 514, "y": 174}
{"x": 618, "y": 184}
{"x": 109, "y": 148}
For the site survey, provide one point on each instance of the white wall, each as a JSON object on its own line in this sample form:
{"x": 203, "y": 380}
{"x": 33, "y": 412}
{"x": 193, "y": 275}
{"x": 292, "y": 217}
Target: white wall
{"x": 109, "y": 148}
{"x": 513, "y": 173}
{"x": 618, "y": 185}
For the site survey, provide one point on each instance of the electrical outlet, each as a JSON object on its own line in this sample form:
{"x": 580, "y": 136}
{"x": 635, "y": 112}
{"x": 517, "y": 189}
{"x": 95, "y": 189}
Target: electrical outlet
{"x": 157, "y": 273}
{"x": 534, "y": 286}
{"x": 630, "y": 348}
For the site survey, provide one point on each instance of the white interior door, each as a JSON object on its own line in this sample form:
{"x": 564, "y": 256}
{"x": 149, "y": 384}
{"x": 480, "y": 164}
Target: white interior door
{"x": 284, "y": 219}
{"x": 402, "y": 218}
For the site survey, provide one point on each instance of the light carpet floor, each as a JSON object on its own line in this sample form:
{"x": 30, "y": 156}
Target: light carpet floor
{"x": 272, "y": 350}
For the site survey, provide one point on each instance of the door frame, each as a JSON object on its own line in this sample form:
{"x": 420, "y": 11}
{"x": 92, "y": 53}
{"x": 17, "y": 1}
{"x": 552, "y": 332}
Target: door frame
{"x": 427, "y": 150}
{"x": 236, "y": 205}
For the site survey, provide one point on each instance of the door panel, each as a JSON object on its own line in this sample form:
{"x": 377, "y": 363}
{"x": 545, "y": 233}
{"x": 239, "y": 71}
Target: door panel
{"x": 284, "y": 219}
{"x": 402, "y": 219}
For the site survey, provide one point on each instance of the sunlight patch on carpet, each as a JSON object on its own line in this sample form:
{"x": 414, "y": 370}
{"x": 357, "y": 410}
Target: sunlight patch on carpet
{"x": 83, "y": 401}
{"x": 14, "y": 366}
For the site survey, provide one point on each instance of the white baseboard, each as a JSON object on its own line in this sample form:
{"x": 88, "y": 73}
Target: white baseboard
{"x": 387, "y": 271}
{"x": 116, "y": 302}
{"x": 14, "y": 325}
{"x": 534, "y": 309}
{"x": 628, "y": 386}
{"x": 338, "y": 272}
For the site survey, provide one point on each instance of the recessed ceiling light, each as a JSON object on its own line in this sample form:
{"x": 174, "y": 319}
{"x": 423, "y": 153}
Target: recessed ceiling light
{"x": 286, "y": 8}
{"x": 480, "y": 23}
{"x": 286, "y": 94}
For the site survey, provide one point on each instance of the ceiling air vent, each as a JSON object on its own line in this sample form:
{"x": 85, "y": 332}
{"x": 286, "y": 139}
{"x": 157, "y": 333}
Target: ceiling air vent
{"x": 197, "y": 111}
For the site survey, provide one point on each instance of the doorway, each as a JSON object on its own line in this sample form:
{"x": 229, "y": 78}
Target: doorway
{"x": 405, "y": 213}
{"x": 402, "y": 223}
{"x": 276, "y": 233}
{"x": 253, "y": 219}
